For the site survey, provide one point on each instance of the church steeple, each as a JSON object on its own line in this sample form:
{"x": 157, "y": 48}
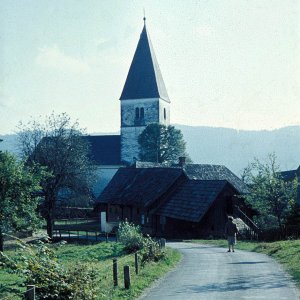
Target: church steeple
{"x": 144, "y": 99}
{"x": 144, "y": 79}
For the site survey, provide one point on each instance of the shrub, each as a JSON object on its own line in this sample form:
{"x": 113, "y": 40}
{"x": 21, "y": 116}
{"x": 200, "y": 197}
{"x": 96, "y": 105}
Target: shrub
{"x": 151, "y": 251}
{"x": 41, "y": 268}
{"x": 130, "y": 236}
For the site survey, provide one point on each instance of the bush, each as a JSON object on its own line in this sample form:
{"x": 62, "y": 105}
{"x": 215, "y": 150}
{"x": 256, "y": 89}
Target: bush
{"x": 41, "y": 268}
{"x": 130, "y": 236}
{"x": 151, "y": 251}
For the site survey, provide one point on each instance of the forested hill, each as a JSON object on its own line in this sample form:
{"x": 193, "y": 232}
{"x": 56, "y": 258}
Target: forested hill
{"x": 229, "y": 147}
{"x": 235, "y": 149}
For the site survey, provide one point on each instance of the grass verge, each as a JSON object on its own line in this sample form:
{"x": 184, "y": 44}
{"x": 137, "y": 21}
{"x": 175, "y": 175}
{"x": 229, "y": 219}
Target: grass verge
{"x": 287, "y": 253}
{"x": 99, "y": 256}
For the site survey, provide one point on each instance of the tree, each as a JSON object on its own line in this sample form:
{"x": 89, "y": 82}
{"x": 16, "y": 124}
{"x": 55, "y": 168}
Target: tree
{"x": 269, "y": 193}
{"x": 19, "y": 186}
{"x": 161, "y": 144}
{"x": 59, "y": 145}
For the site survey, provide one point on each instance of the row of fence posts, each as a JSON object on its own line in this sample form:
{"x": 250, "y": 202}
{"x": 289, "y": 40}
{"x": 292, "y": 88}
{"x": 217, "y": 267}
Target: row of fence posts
{"x": 126, "y": 270}
{"x": 30, "y": 293}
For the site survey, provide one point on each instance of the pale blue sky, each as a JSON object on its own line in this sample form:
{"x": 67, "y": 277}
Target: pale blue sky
{"x": 225, "y": 63}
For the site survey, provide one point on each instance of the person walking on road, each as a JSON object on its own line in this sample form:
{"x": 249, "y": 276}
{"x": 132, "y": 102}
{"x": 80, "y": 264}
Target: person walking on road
{"x": 230, "y": 231}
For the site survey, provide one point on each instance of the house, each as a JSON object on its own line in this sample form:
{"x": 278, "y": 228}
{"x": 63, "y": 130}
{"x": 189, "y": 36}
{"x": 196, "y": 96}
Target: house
{"x": 185, "y": 200}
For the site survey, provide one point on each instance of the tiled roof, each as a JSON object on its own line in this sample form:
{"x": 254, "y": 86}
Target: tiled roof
{"x": 105, "y": 149}
{"x": 139, "y": 187}
{"x": 192, "y": 199}
{"x": 290, "y": 174}
{"x": 144, "y": 79}
{"x": 214, "y": 172}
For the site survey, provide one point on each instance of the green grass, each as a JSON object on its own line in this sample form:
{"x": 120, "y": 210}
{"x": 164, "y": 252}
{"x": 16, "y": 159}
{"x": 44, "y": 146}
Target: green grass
{"x": 99, "y": 256}
{"x": 287, "y": 253}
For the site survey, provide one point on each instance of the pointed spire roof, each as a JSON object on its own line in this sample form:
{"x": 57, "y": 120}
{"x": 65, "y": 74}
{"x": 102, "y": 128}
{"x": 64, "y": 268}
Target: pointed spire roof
{"x": 144, "y": 79}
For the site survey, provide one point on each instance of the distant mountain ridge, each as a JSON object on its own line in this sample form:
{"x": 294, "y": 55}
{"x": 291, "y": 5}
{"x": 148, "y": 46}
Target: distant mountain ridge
{"x": 236, "y": 148}
{"x": 224, "y": 146}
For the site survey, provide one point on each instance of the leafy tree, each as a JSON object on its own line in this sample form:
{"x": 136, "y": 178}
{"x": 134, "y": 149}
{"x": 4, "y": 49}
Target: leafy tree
{"x": 161, "y": 144}
{"x": 269, "y": 194}
{"x": 59, "y": 145}
{"x": 19, "y": 186}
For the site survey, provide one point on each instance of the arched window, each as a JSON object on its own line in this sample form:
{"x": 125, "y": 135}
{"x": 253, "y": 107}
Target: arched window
{"x": 137, "y": 113}
{"x": 165, "y": 114}
{"x": 142, "y": 113}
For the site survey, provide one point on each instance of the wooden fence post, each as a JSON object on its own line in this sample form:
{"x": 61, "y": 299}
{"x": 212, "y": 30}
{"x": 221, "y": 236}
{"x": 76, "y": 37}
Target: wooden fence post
{"x": 136, "y": 263}
{"x": 115, "y": 271}
{"x": 126, "y": 277}
{"x": 163, "y": 243}
{"x": 30, "y": 293}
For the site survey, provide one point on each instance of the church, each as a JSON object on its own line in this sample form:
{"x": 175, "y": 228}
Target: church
{"x": 177, "y": 200}
{"x": 144, "y": 100}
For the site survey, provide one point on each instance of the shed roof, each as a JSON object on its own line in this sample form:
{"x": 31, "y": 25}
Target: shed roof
{"x": 214, "y": 172}
{"x": 139, "y": 187}
{"x": 192, "y": 199}
{"x": 144, "y": 79}
{"x": 290, "y": 174}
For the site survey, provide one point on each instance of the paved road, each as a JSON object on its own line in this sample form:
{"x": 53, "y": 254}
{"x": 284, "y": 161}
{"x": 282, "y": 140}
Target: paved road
{"x": 208, "y": 272}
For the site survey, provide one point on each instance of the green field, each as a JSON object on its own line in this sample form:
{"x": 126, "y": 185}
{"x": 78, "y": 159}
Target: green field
{"x": 287, "y": 253}
{"x": 99, "y": 256}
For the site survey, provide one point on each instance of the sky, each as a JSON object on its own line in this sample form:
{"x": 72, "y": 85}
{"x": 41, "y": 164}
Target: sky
{"x": 233, "y": 63}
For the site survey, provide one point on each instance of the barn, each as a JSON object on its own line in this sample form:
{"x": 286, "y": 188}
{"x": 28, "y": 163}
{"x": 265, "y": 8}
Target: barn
{"x": 187, "y": 200}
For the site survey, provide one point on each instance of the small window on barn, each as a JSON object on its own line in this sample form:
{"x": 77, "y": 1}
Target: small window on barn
{"x": 142, "y": 113}
{"x": 142, "y": 219}
{"x": 165, "y": 114}
{"x": 137, "y": 113}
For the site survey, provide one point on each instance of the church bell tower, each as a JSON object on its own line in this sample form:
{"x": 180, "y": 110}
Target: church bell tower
{"x": 144, "y": 99}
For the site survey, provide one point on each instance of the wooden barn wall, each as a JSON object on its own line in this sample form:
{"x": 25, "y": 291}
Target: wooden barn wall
{"x": 212, "y": 224}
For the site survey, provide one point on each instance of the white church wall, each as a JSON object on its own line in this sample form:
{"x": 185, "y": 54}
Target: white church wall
{"x": 129, "y": 143}
{"x": 156, "y": 110}
{"x": 103, "y": 176}
{"x": 128, "y": 107}
{"x": 164, "y": 112}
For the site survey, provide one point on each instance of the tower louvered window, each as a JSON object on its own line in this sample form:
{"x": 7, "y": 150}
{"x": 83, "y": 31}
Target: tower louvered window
{"x": 137, "y": 113}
